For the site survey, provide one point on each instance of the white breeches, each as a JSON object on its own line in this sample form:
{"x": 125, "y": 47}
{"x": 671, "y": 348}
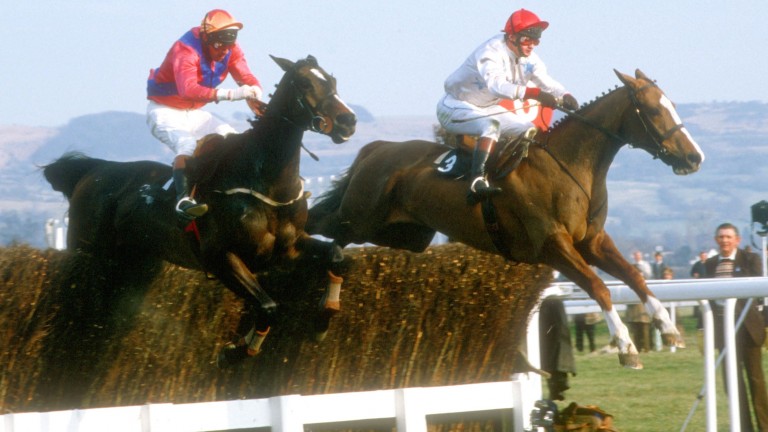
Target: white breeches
{"x": 495, "y": 121}
{"x": 180, "y": 129}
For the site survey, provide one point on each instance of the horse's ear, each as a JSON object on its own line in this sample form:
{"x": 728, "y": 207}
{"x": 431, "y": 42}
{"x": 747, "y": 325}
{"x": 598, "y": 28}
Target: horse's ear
{"x": 312, "y": 60}
{"x": 284, "y": 64}
{"x": 640, "y": 75}
{"x": 626, "y": 79}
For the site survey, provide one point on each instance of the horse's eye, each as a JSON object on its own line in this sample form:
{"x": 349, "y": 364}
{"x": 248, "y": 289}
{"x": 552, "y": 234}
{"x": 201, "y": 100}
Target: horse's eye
{"x": 303, "y": 84}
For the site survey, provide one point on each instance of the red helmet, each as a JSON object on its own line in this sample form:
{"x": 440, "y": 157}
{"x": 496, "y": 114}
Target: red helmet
{"x": 525, "y": 23}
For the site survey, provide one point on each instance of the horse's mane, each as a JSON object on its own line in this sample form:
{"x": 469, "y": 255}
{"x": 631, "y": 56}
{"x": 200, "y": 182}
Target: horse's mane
{"x": 561, "y": 123}
{"x": 229, "y": 150}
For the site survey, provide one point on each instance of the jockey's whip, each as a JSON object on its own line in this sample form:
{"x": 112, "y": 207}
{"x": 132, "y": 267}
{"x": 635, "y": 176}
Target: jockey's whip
{"x": 492, "y": 114}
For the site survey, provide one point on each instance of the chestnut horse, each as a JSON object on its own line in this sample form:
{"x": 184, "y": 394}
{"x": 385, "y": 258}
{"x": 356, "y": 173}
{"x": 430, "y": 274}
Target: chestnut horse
{"x": 251, "y": 183}
{"x": 553, "y": 206}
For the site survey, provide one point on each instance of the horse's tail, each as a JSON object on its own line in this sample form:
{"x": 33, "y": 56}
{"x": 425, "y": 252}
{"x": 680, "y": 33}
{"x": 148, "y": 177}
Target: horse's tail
{"x": 65, "y": 173}
{"x": 327, "y": 203}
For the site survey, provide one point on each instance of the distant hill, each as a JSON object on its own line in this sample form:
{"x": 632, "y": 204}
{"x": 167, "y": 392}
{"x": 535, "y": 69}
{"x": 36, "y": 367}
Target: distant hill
{"x": 649, "y": 205}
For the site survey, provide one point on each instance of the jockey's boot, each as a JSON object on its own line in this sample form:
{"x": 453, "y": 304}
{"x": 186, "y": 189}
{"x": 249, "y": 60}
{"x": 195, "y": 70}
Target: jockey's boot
{"x": 186, "y": 207}
{"x": 480, "y": 185}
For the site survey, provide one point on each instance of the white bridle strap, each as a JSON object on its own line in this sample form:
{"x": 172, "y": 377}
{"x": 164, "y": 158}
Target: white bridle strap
{"x": 266, "y": 199}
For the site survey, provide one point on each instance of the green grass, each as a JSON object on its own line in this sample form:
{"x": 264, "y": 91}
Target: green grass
{"x": 656, "y": 398}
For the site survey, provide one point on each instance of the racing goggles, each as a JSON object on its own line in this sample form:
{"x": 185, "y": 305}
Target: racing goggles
{"x": 528, "y": 41}
{"x": 223, "y": 38}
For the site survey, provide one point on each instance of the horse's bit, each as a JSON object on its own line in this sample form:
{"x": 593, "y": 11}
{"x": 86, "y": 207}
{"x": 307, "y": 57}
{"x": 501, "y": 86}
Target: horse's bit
{"x": 318, "y": 123}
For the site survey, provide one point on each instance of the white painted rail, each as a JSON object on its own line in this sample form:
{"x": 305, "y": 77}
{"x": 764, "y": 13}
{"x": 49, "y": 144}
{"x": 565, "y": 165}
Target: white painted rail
{"x": 702, "y": 291}
{"x": 407, "y": 409}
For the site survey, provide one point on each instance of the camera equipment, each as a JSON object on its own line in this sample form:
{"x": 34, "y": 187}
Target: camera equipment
{"x": 760, "y": 216}
{"x": 760, "y": 213}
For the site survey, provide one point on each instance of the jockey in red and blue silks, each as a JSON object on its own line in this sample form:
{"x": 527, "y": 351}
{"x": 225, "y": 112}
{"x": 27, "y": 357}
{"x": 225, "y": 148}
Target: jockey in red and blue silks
{"x": 185, "y": 82}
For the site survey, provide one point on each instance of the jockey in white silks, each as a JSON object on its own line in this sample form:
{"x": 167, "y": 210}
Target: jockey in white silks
{"x": 499, "y": 69}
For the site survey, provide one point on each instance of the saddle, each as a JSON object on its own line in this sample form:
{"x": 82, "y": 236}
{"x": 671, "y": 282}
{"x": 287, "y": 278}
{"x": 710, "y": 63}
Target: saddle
{"x": 456, "y": 162}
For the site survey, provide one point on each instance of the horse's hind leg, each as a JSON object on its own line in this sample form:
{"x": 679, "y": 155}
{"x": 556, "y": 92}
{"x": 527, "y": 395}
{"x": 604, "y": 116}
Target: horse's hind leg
{"x": 327, "y": 258}
{"x": 604, "y": 254}
{"x": 247, "y": 340}
{"x": 560, "y": 254}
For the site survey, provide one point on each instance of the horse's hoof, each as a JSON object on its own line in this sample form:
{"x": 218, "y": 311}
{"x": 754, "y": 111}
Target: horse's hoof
{"x": 331, "y": 307}
{"x": 322, "y": 323}
{"x": 630, "y": 361}
{"x": 269, "y": 308}
{"x": 231, "y": 355}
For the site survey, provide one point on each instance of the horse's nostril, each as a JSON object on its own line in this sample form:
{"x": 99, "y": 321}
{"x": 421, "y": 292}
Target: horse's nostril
{"x": 347, "y": 119}
{"x": 695, "y": 158}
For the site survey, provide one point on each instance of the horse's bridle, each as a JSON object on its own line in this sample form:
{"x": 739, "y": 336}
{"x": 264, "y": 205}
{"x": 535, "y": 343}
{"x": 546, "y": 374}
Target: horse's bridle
{"x": 317, "y": 123}
{"x": 657, "y": 136}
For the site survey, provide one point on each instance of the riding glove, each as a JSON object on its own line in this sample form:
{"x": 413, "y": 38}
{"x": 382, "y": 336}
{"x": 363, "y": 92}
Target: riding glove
{"x": 240, "y": 93}
{"x": 546, "y": 99}
{"x": 570, "y": 102}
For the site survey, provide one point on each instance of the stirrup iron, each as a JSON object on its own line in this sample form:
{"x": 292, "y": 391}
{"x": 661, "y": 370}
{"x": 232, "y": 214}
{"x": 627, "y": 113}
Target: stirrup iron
{"x": 190, "y": 209}
{"x": 480, "y": 186}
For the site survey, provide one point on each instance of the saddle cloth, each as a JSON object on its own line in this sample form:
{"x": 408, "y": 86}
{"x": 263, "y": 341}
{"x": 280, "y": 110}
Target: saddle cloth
{"x": 453, "y": 163}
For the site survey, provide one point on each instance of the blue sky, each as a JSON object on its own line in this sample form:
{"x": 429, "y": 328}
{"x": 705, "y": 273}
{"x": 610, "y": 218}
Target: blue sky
{"x": 64, "y": 59}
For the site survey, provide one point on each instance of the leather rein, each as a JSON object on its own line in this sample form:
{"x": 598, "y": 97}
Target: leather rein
{"x": 488, "y": 210}
{"x": 657, "y": 137}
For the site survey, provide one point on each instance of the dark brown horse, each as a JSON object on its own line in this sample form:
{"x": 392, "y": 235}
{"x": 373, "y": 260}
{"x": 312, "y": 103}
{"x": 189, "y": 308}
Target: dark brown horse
{"x": 553, "y": 206}
{"x": 251, "y": 182}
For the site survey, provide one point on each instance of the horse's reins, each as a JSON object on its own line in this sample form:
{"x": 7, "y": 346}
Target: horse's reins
{"x": 317, "y": 123}
{"x": 656, "y": 136}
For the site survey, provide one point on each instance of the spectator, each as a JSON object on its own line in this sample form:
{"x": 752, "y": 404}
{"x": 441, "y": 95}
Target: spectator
{"x": 658, "y": 266}
{"x": 555, "y": 346}
{"x": 585, "y": 325}
{"x": 642, "y": 264}
{"x": 639, "y": 324}
{"x": 668, "y": 273}
{"x": 734, "y": 262}
{"x": 698, "y": 270}
{"x": 637, "y": 319}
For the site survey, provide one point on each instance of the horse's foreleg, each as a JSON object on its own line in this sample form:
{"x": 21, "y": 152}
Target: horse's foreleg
{"x": 604, "y": 254}
{"x": 560, "y": 253}
{"x": 239, "y": 279}
{"x": 255, "y": 322}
